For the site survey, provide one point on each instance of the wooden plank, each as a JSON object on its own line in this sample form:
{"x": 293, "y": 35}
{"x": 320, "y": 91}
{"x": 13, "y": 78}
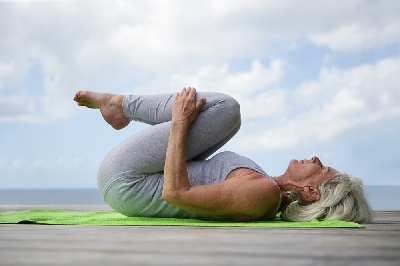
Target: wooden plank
{"x": 24, "y": 244}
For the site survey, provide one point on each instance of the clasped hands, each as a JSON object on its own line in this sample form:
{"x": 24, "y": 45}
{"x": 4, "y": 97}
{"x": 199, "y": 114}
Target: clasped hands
{"x": 185, "y": 108}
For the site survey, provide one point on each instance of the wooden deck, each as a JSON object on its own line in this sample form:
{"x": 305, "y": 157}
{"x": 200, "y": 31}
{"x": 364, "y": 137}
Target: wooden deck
{"x": 25, "y": 244}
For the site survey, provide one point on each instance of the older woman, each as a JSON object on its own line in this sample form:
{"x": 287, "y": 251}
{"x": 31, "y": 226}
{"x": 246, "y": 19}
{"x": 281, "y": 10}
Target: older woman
{"x": 164, "y": 170}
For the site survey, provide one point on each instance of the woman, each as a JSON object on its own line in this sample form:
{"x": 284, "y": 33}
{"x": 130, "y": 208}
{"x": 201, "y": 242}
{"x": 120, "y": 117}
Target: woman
{"x": 163, "y": 171}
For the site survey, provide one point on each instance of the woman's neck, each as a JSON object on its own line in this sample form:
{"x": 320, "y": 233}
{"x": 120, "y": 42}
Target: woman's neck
{"x": 285, "y": 185}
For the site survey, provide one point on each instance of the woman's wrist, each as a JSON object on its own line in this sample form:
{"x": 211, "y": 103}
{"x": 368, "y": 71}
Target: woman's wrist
{"x": 182, "y": 124}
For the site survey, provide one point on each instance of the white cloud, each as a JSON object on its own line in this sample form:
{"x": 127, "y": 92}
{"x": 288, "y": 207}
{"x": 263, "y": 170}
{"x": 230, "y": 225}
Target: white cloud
{"x": 6, "y": 70}
{"x": 358, "y": 38}
{"x": 19, "y": 107}
{"x": 42, "y": 163}
{"x": 248, "y": 87}
{"x": 338, "y": 102}
{"x": 112, "y": 45}
{"x": 364, "y": 25}
{"x": 48, "y": 172}
{"x": 248, "y": 49}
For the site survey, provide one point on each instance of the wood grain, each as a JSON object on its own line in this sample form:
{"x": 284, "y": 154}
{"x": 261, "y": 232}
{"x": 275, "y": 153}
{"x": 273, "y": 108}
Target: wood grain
{"x": 27, "y": 244}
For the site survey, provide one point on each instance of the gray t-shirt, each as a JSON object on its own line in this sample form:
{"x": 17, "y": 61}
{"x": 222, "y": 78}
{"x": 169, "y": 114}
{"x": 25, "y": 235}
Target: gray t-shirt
{"x": 144, "y": 193}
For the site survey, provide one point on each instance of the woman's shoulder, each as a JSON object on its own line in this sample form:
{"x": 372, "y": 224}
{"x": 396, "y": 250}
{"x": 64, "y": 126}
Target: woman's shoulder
{"x": 262, "y": 186}
{"x": 261, "y": 194}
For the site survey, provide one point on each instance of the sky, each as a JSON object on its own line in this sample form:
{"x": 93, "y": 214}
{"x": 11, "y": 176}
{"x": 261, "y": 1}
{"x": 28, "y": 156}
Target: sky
{"x": 312, "y": 77}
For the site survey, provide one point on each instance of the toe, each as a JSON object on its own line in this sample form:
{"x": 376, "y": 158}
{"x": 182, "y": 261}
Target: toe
{"x": 77, "y": 96}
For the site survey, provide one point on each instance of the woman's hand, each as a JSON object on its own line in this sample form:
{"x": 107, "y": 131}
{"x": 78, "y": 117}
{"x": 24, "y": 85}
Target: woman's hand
{"x": 185, "y": 109}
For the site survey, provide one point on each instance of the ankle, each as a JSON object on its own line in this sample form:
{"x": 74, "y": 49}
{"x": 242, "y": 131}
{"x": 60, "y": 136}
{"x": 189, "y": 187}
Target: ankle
{"x": 117, "y": 100}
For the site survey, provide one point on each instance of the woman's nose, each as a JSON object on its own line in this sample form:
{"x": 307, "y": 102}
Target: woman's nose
{"x": 316, "y": 160}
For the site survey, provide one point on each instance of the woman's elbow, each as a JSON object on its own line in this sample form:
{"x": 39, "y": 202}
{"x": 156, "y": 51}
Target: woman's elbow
{"x": 170, "y": 196}
{"x": 166, "y": 195}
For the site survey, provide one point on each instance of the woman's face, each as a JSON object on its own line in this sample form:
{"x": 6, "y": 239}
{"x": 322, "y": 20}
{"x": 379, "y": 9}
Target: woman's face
{"x": 309, "y": 172}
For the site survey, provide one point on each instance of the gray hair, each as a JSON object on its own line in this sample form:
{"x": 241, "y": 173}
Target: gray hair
{"x": 342, "y": 198}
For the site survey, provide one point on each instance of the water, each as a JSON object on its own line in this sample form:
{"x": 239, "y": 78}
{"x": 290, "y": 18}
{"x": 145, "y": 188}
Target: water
{"x": 50, "y": 197}
{"x": 380, "y": 197}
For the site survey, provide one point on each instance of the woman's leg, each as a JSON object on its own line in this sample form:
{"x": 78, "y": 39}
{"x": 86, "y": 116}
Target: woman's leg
{"x": 144, "y": 152}
{"x": 156, "y": 109}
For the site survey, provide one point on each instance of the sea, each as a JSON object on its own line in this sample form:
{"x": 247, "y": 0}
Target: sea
{"x": 380, "y": 197}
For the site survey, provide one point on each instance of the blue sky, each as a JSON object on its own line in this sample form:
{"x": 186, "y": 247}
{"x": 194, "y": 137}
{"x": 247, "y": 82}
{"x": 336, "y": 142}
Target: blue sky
{"x": 313, "y": 78}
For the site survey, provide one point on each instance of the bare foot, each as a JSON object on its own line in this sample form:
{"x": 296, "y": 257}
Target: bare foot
{"x": 110, "y": 106}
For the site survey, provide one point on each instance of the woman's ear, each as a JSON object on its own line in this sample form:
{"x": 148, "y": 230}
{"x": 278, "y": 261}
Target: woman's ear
{"x": 310, "y": 194}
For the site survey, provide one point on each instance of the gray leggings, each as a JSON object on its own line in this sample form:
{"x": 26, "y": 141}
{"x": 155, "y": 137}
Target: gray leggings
{"x": 143, "y": 154}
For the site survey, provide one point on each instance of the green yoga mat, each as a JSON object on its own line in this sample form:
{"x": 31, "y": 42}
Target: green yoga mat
{"x": 113, "y": 218}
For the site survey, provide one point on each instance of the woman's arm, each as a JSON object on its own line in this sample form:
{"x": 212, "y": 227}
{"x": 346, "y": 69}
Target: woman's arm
{"x": 245, "y": 198}
{"x": 184, "y": 111}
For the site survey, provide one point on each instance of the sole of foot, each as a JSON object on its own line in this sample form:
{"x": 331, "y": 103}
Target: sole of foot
{"x": 110, "y": 106}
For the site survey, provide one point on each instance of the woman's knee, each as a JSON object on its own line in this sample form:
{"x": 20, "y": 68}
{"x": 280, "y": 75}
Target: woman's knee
{"x": 234, "y": 105}
{"x": 231, "y": 107}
